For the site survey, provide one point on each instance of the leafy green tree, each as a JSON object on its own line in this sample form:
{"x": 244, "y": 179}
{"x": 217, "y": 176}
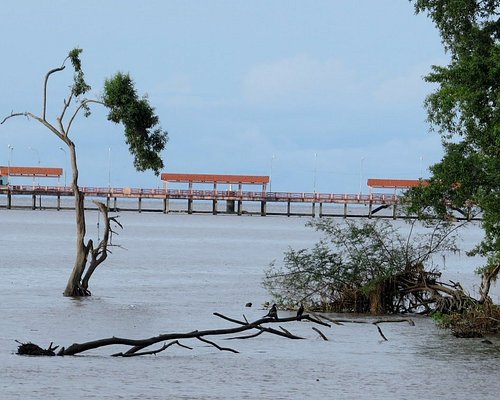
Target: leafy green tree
{"x": 464, "y": 110}
{"x": 143, "y": 134}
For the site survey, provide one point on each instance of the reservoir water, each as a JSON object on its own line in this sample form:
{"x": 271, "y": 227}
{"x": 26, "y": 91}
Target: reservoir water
{"x": 171, "y": 273}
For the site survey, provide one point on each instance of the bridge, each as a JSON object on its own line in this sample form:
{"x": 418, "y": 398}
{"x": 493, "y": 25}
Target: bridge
{"x": 231, "y": 190}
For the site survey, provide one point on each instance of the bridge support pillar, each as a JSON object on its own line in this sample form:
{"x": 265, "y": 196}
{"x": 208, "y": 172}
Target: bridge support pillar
{"x": 165, "y": 205}
{"x": 114, "y": 204}
{"x": 214, "y": 207}
{"x": 345, "y": 210}
{"x": 240, "y": 207}
{"x": 320, "y": 210}
{"x": 139, "y": 205}
{"x": 230, "y": 206}
{"x": 58, "y": 202}
{"x": 33, "y": 205}
{"x": 263, "y": 208}
{"x": 394, "y": 213}
{"x": 370, "y": 210}
{"x": 313, "y": 211}
{"x": 288, "y": 208}
{"x": 9, "y": 200}
{"x": 190, "y": 206}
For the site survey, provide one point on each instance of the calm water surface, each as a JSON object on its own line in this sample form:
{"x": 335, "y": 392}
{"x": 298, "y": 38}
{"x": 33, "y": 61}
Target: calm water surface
{"x": 175, "y": 272}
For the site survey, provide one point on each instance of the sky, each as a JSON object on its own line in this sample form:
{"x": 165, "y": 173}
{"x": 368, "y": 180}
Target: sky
{"x": 320, "y": 95}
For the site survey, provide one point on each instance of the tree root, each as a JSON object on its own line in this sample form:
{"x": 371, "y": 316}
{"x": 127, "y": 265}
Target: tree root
{"x": 30, "y": 349}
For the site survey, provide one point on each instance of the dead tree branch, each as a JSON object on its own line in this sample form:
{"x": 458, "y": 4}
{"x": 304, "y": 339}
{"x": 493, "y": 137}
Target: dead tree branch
{"x": 320, "y": 333}
{"x": 216, "y": 345}
{"x": 137, "y": 345}
{"x": 376, "y": 323}
{"x": 380, "y": 331}
{"x": 152, "y": 352}
{"x": 99, "y": 254}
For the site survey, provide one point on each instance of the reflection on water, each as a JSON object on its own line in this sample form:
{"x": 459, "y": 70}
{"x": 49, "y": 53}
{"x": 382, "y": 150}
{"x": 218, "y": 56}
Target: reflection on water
{"x": 177, "y": 270}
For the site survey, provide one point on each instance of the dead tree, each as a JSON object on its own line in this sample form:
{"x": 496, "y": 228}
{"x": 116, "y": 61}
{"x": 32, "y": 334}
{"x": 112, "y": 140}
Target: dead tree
{"x": 99, "y": 254}
{"x": 138, "y": 347}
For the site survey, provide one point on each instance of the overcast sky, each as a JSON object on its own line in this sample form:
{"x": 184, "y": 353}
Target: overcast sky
{"x": 320, "y": 94}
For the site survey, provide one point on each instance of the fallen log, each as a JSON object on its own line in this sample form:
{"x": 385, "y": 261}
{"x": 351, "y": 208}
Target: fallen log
{"x": 137, "y": 345}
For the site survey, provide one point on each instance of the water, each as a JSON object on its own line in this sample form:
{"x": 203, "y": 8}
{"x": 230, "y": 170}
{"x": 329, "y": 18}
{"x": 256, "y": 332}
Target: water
{"x": 175, "y": 272}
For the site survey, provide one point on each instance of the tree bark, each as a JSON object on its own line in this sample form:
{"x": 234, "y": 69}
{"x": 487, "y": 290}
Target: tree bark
{"x": 74, "y": 287}
{"x": 486, "y": 278}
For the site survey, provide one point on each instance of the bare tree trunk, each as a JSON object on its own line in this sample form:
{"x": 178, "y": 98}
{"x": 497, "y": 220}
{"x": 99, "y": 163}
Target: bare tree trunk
{"x": 486, "y": 278}
{"x": 376, "y": 300}
{"x": 74, "y": 287}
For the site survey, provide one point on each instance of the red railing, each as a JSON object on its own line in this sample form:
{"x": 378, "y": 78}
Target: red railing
{"x": 375, "y": 198}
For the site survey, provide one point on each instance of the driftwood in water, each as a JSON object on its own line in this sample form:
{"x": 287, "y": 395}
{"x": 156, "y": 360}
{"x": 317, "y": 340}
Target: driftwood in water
{"x": 136, "y": 346}
{"x": 30, "y": 349}
{"x": 356, "y": 321}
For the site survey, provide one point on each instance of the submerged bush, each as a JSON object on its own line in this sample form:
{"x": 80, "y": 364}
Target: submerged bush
{"x": 472, "y": 322}
{"x": 366, "y": 266}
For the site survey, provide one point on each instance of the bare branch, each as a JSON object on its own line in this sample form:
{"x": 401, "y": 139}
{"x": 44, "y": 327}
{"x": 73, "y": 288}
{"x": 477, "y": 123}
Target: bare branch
{"x": 99, "y": 254}
{"x": 136, "y": 345}
{"x": 41, "y": 120}
{"x": 13, "y": 114}
{"x": 246, "y": 337}
{"x": 286, "y": 331}
{"x": 65, "y": 108}
{"x": 336, "y": 322}
{"x": 152, "y": 352}
{"x": 320, "y": 333}
{"x": 273, "y": 320}
{"x": 392, "y": 321}
{"x": 82, "y": 105}
{"x": 380, "y": 331}
{"x": 52, "y": 71}
{"x": 216, "y": 345}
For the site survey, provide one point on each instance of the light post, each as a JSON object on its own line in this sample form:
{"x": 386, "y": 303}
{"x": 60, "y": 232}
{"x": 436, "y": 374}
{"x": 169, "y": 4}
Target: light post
{"x": 65, "y": 163}
{"x": 11, "y": 149}
{"x": 38, "y": 158}
{"x": 315, "y": 168}
{"x": 361, "y": 175}
{"x": 37, "y": 153}
{"x": 109, "y": 168}
{"x": 271, "y": 173}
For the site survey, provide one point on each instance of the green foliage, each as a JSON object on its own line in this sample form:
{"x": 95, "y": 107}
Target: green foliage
{"x": 353, "y": 264}
{"x": 464, "y": 109}
{"x": 143, "y": 135}
{"x": 316, "y": 275}
{"x": 80, "y": 87}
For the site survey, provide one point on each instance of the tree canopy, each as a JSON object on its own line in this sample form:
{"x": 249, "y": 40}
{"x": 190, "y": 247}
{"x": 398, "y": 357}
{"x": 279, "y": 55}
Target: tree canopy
{"x": 142, "y": 134}
{"x": 464, "y": 110}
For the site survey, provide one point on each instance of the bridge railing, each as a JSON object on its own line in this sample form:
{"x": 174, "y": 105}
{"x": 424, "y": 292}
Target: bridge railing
{"x": 380, "y": 198}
